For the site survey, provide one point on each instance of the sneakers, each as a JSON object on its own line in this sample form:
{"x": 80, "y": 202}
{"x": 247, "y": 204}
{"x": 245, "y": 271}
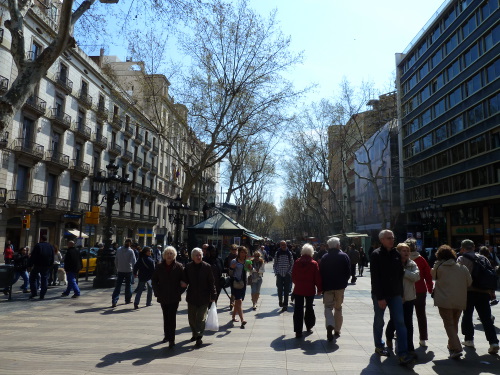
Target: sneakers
{"x": 493, "y": 349}
{"x": 468, "y": 343}
{"x": 75, "y": 296}
{"x": 422, "y": 343}
{"x": 455, "y": 355}
{"x": 329, "y": 333}
{"x": 405, "y": 360}
{"x": 382, "y": 352}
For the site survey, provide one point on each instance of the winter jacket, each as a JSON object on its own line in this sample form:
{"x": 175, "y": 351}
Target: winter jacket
{"x": 335, "y": 270}
{"x": 387, "y": 273}
{"x": 201, "y": 289}
{"x": 167, "y": 283}
{"x": 306, "y": 276}
{"x": 73, "y": 260}
{"x": 144, "y": 267}
{"x": 20, "y": 262}
{"x": 42, "y": 255}
{"x": 412, "y": 274}
{"x": 452, "y": 280}
{"x": 425, "y": 283}
{"x": 470, "y": 264}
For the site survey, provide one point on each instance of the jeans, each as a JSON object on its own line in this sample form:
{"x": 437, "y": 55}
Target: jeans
{"x": 140, "y": 289}
{"x": 197, "y": 316}
{"x": 421, "y": 316}
{"x": 72, "y": 285}
{"x": 395, "y": 305}
{"x": 256, "y": 283}
{"x": 299, "y": 316}
{"x": 361, "y": 267}
{"x": 408, "y": 318}
{"x": 169, "y": 319}
{"x": 481, "y": 302}
{"x": 44, "y": 273}
{"x": 284, "y": 284}
{"x": 127, "y": 276}
{"x": 333, "y": 299}
{"x": 24, "y": 275}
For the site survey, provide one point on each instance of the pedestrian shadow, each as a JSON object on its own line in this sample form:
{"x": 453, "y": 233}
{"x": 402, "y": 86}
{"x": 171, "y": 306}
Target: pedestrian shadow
{"x": 471, "y": 364}
{"x": 263, "y": 315}
{"x": 480, "y": 327}
{"x": 308, "y": 347}
{"x": 424, "y": 356}
{"x": 374, "y": 367}
{"x": 92, "y": 309}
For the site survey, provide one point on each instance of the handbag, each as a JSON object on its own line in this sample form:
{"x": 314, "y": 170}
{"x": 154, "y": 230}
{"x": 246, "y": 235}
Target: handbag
{"x": 249, "y": 279}
{"x": 212, "y": 322}
{"x": 238, "y": 284}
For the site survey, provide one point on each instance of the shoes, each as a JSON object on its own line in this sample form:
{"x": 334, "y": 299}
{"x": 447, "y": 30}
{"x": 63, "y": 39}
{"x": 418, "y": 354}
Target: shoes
{"x": 26, "y": 291}
{"x": 405, "y": 360}
{"x": 64, "y": 294}
{"x": 42, "y": 297}
{"x": 329, "y": 333}
{"x": 413, "y": 354}
{"x": 127, "y": 302}
{"x": 192, "y": 339}
{"x": 234, "y": 320}
{"x": 468, "y": 343}
{"x": 382, "y": 352}
{"x": 284, "y": 308}
{"x": 389, "y": 344}
{"x": 136, "y": 307}
{"x": 231, "y": 307}
{"x": 423, "y": 343}
{"x": 455, "y": 355}
{"x": 164, "y": 340}
{"x": 298, "y": 335}
{"x": 149, "y": 304}
{"x": 171, "y": 344}
{"x": 493, "y": 349}
{"x": 243, "y": 322}
{"x": 199, "y": 342}
{"x": 336, "y": 334}
{"x": 75, "y": 296}
{"x": 113, "y": 304}
{"x": 254, "y": 307}
{"x": 309, "y": 330}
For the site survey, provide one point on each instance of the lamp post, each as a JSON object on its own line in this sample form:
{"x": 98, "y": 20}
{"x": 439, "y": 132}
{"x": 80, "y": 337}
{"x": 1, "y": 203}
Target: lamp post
{"x": 177, "y": 217}
{"x": 116, "y": 190}
{"x": 431, "y": 215}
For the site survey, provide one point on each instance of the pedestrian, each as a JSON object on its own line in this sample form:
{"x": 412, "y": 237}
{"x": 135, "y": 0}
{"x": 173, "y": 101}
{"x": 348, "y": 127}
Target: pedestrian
{"x": 217, "y": 268}
{"x": 362, "y": 261}
{"x": 450, "y": 294}
{"x": 283, "y": 263}
{"x": 233, "y": 253}
{"x": 478, "y": 299}
{"x": 307, "y": 280}
{"x": 422, "y": 286}
{"x": 72, "y": 265}
{"x": 411, "y": 275}
{"x": 238, "y": 271}
{"x": 8, "y": 253}
{"x": 353, "y": 254}
{"x": 258, "y": 269}
{"x": 335, "y": 270}
{"x": 124, "y": 262}
{"x": 387, "y": 273}
{"x": 41, "y": 260}
{"x": 168, "y": 286}
{"x": 55, "y": 266}
{"x": 323, "y": 249}
{"x": 143, "y": 269}
{"x": 201, "y": 291}
{"x": 20, "y": 263}
{"x": 156, "y": 254}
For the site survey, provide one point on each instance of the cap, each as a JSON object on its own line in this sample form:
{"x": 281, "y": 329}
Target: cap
{"x": 467, "y": 244}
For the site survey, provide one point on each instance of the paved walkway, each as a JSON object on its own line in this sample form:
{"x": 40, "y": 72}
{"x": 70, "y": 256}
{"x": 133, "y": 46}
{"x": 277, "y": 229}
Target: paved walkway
{"x": 86, "y": 336}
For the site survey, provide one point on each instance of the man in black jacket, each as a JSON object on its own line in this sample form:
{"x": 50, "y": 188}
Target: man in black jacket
{"x": 387, "y": 291}
{"x": 41, "y": 261}
{"x": 72, "y": 265}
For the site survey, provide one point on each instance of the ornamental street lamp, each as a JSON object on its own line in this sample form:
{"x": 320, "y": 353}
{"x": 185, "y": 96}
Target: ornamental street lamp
{"x": 177, "y": 217}
{"x": 431, "y": 215}
{"x": 116, "y": 190}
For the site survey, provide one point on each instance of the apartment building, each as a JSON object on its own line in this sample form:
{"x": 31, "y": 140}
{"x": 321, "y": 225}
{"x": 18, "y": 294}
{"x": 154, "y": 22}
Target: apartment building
{"x": 449, "y": 120}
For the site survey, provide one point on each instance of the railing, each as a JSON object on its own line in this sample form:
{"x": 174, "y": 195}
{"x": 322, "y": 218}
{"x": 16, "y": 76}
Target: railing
{"x": 4, "y": 83}
{"x": 138, "y": 160}
{"x": 127, "y": 155}
{"x": 117, "y": 122}
{"x": 28, "y": 147}
{"x": 81, "y": 129}
{"x": 57, "y": 157}
{"x": 80, "y": 166}
{"x": 45, "y": 3}
{"x": 31, "y": 55}
{"x": 115, "y": 148}
{"x": 129, "y": 130}
{"x": 60, "y": 117}
{"x": 100, "y": 140}
{"x": 25, "y": 198}
{"x": 37, "y": 104}
{"x": 98, "y": 172}
{"x": 154, "y": 169}
{"x": 56, "y": 203}
{"x": 4, "y": 139}
{"x": 102, "y": 112}
{"x": 75, "y": 206}
{"x": 85, "y": 99}
{"x": 64, "y": 82}
{"x": 147, "y": 165}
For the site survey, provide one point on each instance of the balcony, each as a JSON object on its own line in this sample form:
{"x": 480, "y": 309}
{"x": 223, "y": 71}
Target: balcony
{"x": 102, "y": 112}
{"x": 137, "y": 162}
{"x": 25, "y": 199}
{"x": 127, "y": 156}
{"x": 147, "y": 145}
{"x": 117, "y": 123}
{"x": 146, "y": 166}
{"x": 35, "y": 105}
{"x": 99, "y": 141}
{"x": 115, "y": 149}
{"x": 4, "y": 140}
{"x": 65, "y": 84}
{"x": 58, "y": 204}
{"x": 4, "y": 83}
{"x": 138, "y": 138}
{"x": 136, "y": 187}
{"x": 60, "y": 119}
{"x": 82, "y": 131}
{"x": 75, "y": 206}
{"x": 79, "y": 168}
{"x": 57, "y": 159}
{"x": 27, "y": 149}
{"x": 156, "y": 150}
{"x": 154, "y": 170}
{"x": 129, "y": 131}
{"x": 84, "y": 99}
{"x": 98, "y": 172}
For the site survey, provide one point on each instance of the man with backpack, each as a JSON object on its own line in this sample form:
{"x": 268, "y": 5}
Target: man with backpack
{"x": 283, "y": 263}
{"x": 479, "y": 295}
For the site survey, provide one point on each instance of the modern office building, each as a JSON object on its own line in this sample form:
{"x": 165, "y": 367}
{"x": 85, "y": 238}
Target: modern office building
{"x": 449, "y": 121}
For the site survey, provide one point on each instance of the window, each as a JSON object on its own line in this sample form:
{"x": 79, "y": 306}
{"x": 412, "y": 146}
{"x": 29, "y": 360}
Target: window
{"x": 471, "y": 55}
{"x": 475, "y": 115}
{"x": 455, "y": 97}
{"x": 458, "y": 153}
{"x": 435, "y": 33}
{"x": 427, "y": 141}
{"x": 469, "y": 26}
{"x": 413, "y": 126}
{"x": 442, "y": 159}
{"x": 450, "y": 17}
{"x": 473, "y": 85}
{"x": 425, "y": 93}
{"x": 440, "y": 134}
{"x": 453, "y": 70}
{"x": 423, "y": 70}
{"x": 81, "y": 119}
{"x": 451, "y": 43}
{"x": 416, "y": 147}
{"x": 488, "y": 8}
{"x": 413, "y": 81}
{"x": 422, "y": 48}
{"x": 493, "y": 71}
{"x": 456, "y": 125}
{"x": 36, "y": 49}
{"x": 494, "y": 104}
{"x": 496, "y": 34}
{"x": 478, "y": 177}
{"x": 443, "y": 187}
{"x": 477, "y": 145}
{"x": 437, "y": 83}
{"x": 439, "y": 108}
{"x": 436, "y": 58}
{"x": 426, "y": 117}
{"x": 85, "y": 88}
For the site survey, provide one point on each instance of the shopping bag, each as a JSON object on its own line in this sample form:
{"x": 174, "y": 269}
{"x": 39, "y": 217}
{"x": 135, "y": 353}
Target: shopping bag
{"x": 212, "y": 323}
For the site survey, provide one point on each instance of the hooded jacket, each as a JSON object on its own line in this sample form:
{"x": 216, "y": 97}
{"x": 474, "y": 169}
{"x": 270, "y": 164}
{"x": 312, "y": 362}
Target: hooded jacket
{"x": 412, "y": 275}
{"x": 452, "y": 280}
{"x": 425, "y": 283}
{"x": 306, "y": 276}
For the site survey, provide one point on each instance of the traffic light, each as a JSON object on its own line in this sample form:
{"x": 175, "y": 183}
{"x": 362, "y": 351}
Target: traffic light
{"x": 26, "y": 221}
{"x": 92, "y": 217}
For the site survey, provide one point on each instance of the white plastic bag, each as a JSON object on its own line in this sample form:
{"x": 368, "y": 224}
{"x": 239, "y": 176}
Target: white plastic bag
{"x": 212, "y": 323}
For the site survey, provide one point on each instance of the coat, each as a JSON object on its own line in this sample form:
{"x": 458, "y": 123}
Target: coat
{"x": 201, "y": 283}
{"x": 386, "y": 273}
{"x": 42, "y": 255}
{"x": 73, "y": 260}
{"x": 306, "y": 276}
{"x": 144, "y": 267}
{"x": 452, "y": 280}
{"x": 412, "y": 274}
{"x": 335, "y": 269}
{"x": 425, "y": 283}
{"x": 167, "y": 284}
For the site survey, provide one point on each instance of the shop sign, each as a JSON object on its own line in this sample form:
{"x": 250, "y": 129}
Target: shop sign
{"x": 471, "y": 230}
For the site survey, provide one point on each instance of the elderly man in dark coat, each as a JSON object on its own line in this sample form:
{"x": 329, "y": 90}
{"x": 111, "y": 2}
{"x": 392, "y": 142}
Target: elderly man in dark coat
{"x": 201, "y": 291}
{"x": 72, "y": 266}
{"x": 41, "y": 260}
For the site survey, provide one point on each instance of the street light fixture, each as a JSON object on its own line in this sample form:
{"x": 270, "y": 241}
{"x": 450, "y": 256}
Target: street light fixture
{"x": 177, "y": 217}
{"x": 431, "y": 215}
{"x": 116, "y": 190}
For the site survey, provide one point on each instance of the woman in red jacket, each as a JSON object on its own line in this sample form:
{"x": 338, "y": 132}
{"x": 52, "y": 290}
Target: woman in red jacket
{"x": 307, "y": 280}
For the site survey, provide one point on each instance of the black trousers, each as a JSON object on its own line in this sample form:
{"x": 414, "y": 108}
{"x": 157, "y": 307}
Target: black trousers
{"x": 353, "y": 273}
{"x": 169, "y": 319}
{"x": 298, "y": 313}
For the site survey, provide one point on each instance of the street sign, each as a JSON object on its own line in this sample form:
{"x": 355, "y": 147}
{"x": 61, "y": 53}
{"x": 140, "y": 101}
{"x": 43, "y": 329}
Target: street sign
{"x": 72, "y": 216}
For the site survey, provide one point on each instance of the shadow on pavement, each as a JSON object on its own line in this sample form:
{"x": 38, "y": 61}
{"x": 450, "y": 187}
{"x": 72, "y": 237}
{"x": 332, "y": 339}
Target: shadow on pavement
{"x": 471, "y": 363}
{"x": 281, "y": 344}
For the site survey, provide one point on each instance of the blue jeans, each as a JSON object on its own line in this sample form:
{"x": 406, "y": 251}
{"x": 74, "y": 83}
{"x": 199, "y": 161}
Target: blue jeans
{"x": 140, "y": 289}
{"x": 127, "y": 276}
{"x": 284, "y": 284}
{"x": 72, "y": 285}
{"x": 17, "y": 275}
{"x": 395, "y": 305}
{"x": 44, "y": 274}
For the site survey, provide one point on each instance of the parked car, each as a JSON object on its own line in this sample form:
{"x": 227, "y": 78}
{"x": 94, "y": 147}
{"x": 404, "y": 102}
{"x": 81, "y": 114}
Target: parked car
{"x": 92, "y": 259}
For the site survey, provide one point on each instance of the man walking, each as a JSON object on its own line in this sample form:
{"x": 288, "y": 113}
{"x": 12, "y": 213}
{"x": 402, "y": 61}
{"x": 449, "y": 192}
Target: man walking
{"x": 283, "y": 263}
{"x": 354, "y": 258}
{"x": 335, "y": 269}
{"x": 41, "y": 261}
{"x": 72, "y": 265}
{"x": 387, "y": 273}
{"x": 478, "y": 299}
{"x": 124, "y": 261}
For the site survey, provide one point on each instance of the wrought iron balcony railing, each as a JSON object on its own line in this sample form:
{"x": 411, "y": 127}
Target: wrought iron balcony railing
{"x": 64, "y": 82}
{"x": 57, "y": 158}
{"x": 60, "y": 118}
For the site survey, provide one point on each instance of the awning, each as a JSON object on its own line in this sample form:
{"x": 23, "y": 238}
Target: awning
{"x": 350, "y": 235}
{"x": 253, "y": 236}
{"x": 76, "y": 233}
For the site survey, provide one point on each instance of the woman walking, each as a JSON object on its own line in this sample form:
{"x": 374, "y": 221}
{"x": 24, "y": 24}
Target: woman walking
{"x": 307, "y": 280}
{"x": 238, "y": 269}
{"x": 450, "y": 294}
{"x": 258, "y": 269}
{"x": 144, "y": 268}
{"x": 168, "y": 285}
{"x": 55, "y": 266}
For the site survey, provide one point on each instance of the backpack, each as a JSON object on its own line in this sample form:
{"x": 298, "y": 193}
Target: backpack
{"x": 483, "y": 274}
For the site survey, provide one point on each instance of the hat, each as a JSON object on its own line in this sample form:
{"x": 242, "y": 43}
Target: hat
{"x": 467, "y": 244}
{"x": 158, "y": 245}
